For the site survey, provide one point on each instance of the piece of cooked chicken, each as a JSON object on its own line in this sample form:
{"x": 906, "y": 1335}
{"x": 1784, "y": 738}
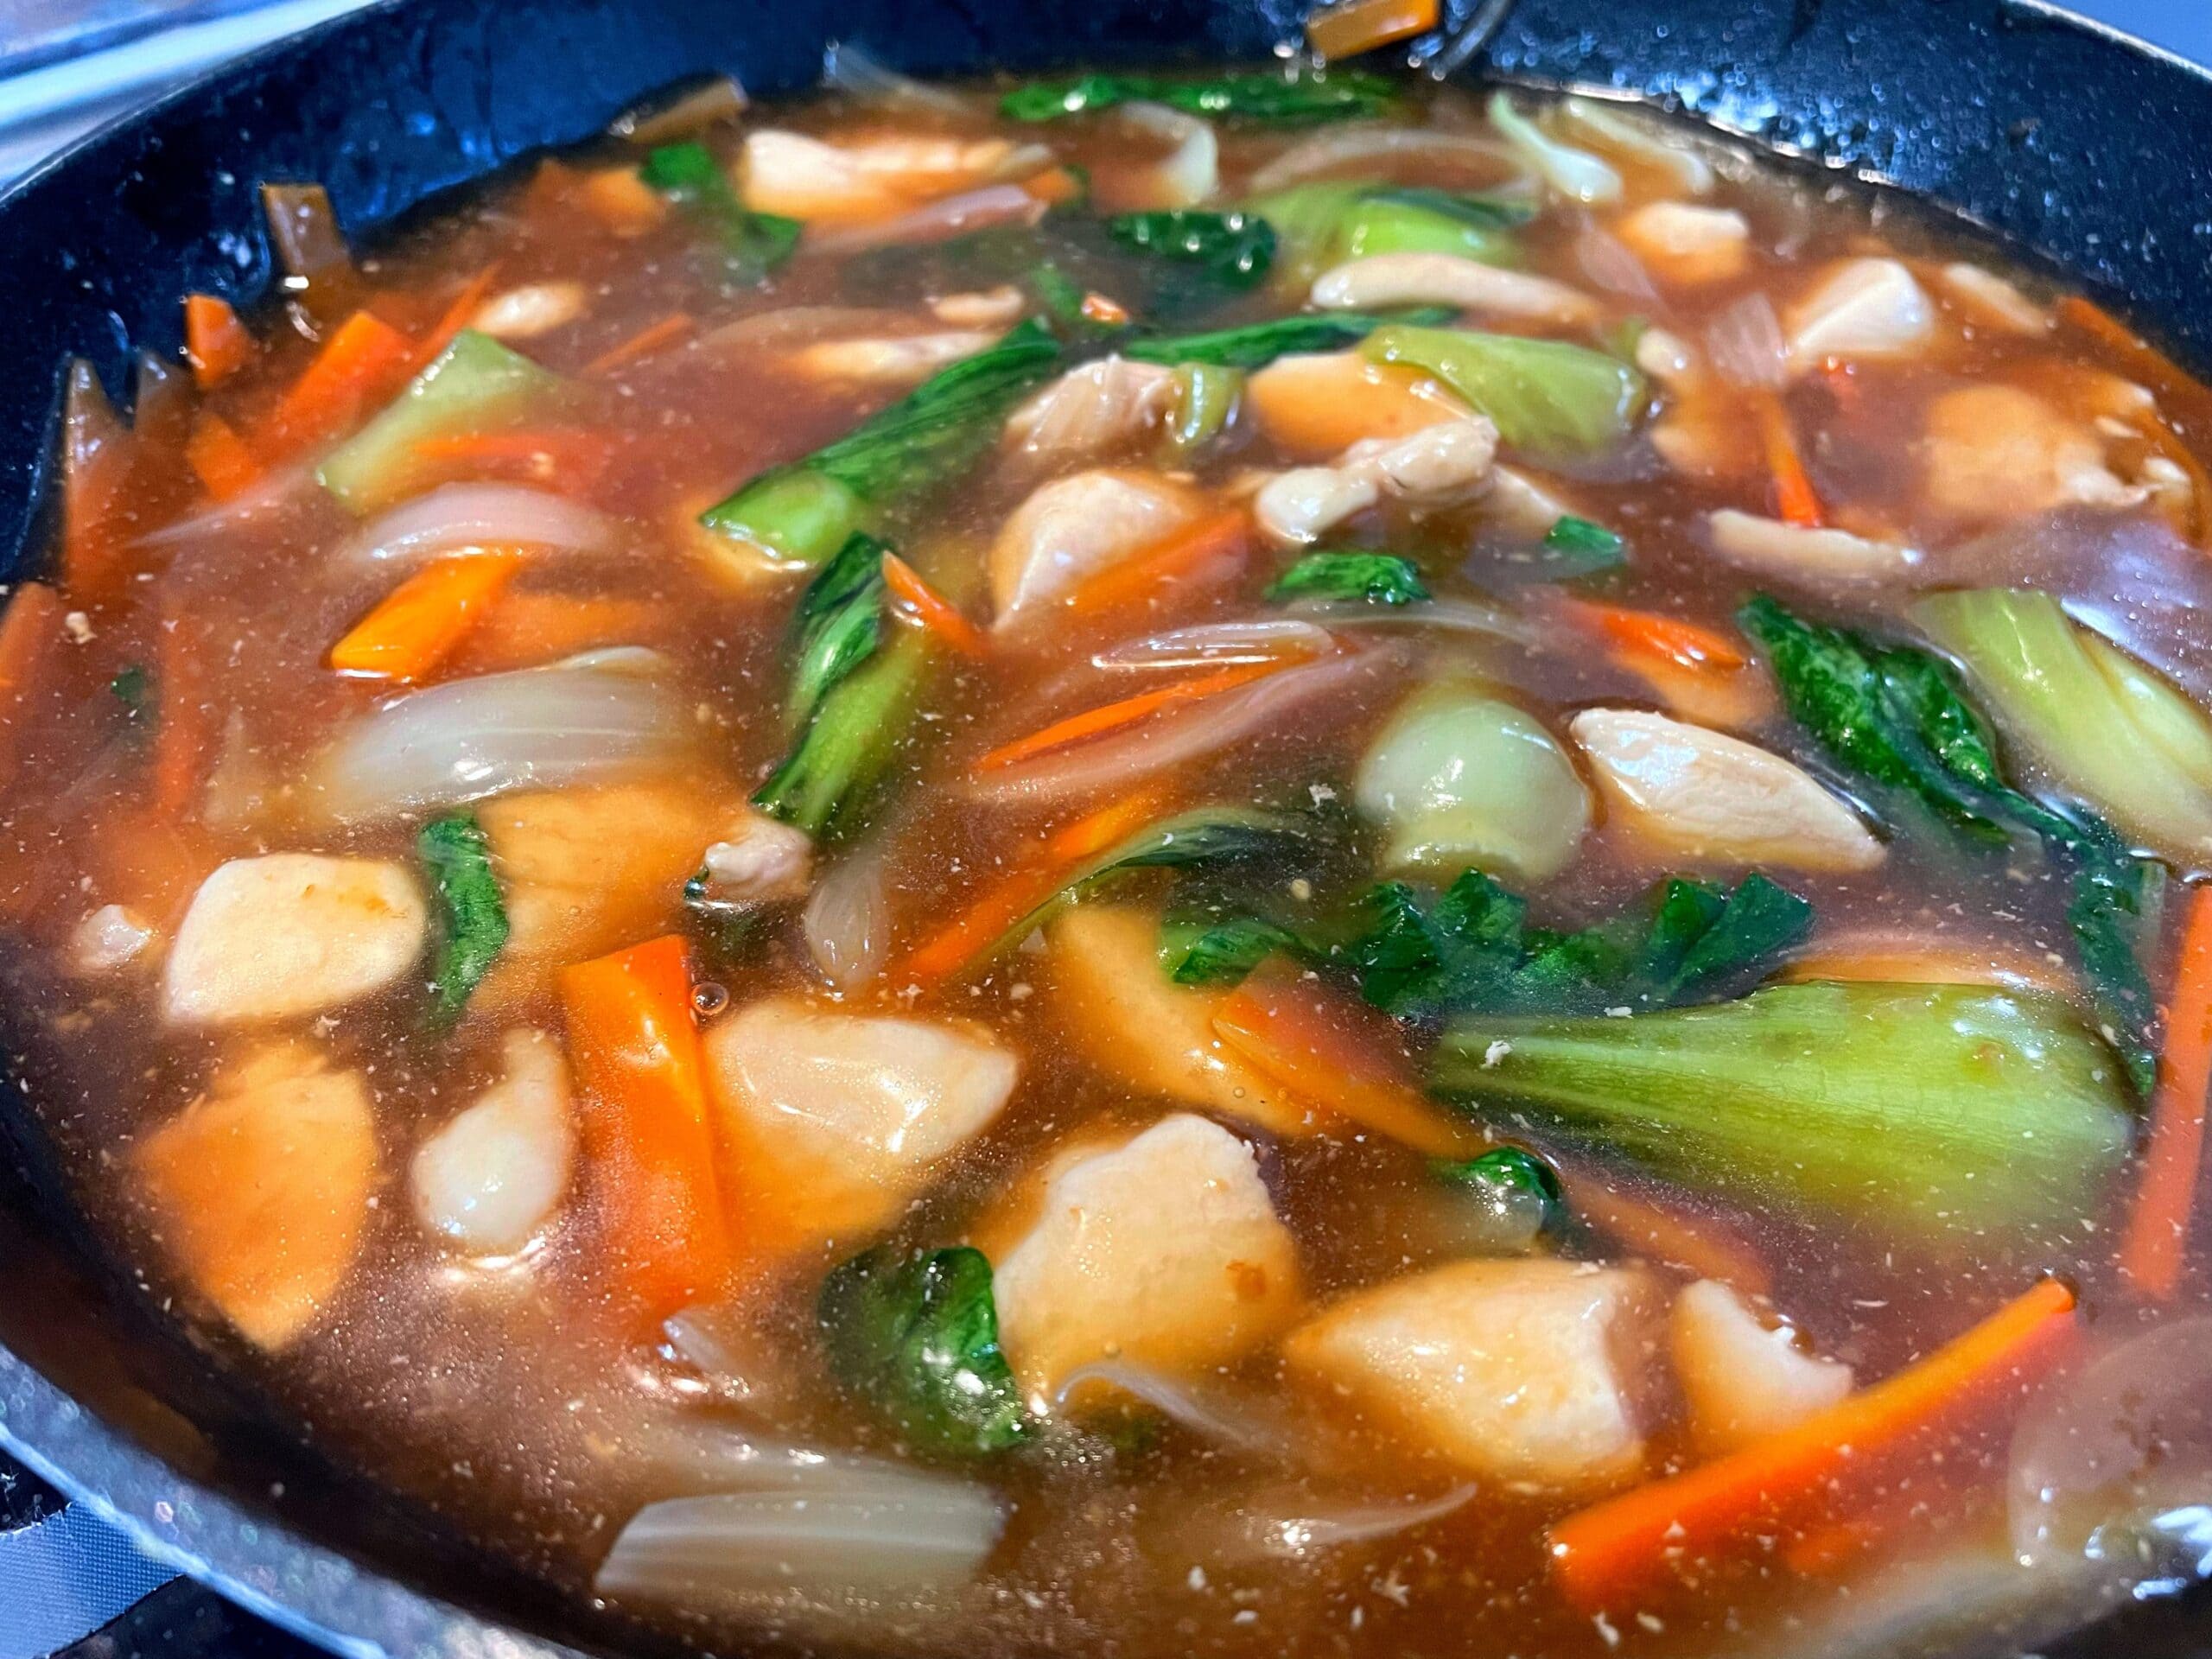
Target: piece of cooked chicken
{"x": 1859, "y": 310}
{"x": 1993, "y": 452}
{"x": 1316, "y": 405}
{"x": 494, "y": 1174}
{"x": 1073, "y": 528}
{"x": 1686, "y": 245}
{"x": 1093, "y": 412}
{"x": 1742, "y": 1380}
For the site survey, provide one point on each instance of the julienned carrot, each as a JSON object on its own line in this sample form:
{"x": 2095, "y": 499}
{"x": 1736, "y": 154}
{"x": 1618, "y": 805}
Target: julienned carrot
{"x": 1054, "y": 185}
{"x": 525, "y": 629}
{"x": 418, "y": 624}
{"x": 1029, "y": 884}
{"x": 1112, "y": 716}
{"x": 649, "y": 1143}
{"x": 2157, "y": 1240}
{"x": 1616, "y": 1552}
{"x": 1338, "y": 1057}
{"x": 1685, "y": 645}
{"x": 931, "y": 609}
{"x": 365, "y": 358}
{"x": 1356, "y": 26}
{"x": 647, "y": 341}
{"x": 219, "y": 458}
{"x": 215, "y": 341}
{"x": 1794, "y": 498}
{"x": 1181, "y": 555}
{"x": 31, "y": 643}
{"x": 1668, "y": 1233}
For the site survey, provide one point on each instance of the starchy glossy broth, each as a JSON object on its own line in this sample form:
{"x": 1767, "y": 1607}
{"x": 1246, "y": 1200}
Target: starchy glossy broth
{"x": 1162, "y": 866}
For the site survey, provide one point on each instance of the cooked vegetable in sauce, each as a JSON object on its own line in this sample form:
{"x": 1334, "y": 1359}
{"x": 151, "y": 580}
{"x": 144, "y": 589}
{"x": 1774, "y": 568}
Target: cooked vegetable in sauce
{"x": 1258, "y": 864}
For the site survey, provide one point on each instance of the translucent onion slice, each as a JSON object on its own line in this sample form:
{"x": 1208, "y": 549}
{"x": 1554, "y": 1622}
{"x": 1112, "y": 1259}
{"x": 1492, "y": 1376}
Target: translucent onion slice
{"x": 457, "y": 516}
{"x": 1190, "y": 173}
{"x": 858, "y": 73}
{"x": 1441, "y": 615}
{"x": 664, "y": 120}
{"x": 1287, "y": 1522}
{"x": 1205, "y": 1413}
{"x": 847, "y": 921}
{"x": 1369, "y": 150}
{"x": 937, "y": 221}
{"x": 1609, "y": 264}
{"x": 590, "y": 720}
{"x": 1746, "y": 343}
{"x": 1215, "y": 645}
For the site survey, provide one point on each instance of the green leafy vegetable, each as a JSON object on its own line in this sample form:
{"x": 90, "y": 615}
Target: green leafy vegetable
{"x": 1200, "y": 948}
{"x": 1234, "y": 249}
{"x": 854, "y": 733}
{"x": 1209, "y": 398}
{"x": 1254, "y": 346}
{"x": 133, "y": 687}
{"x": 926, "y": 441}
{"x": 752, "y": 244}
{"x": 1926, "y": 1111}
{"x": 1331, "y": 221}
{"x": 916, "y": 1335}
{"x": 1376, "y": 578}
{"x": 1573, "y": 535}
{"x": 1546, "y": 395}
{"x": 838, "y": 622}
{"x": 1474, "y": 949}
{"x": 474, "y": 384}
{"x": 474, "y": 917}
{"x": 1894, "y": 715}
{"x": 1259, "y": 95}
{"x": 1508, "y": 1179}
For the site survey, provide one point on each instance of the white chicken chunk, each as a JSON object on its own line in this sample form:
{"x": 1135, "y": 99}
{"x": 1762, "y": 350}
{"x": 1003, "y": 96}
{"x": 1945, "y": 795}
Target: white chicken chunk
{"x": 804, "y": 178}
{"x": 1742, "y": 1380}
{"x": 1514, "y": 1370}
{"x": 1384, "y": 280}
{"x": 832, "y": 1121}
{"x": 532, "y": 309}
{"x": 1090, "y": 412}
{"x": 1687, "y": 245}
{"x": 760, "y": 860}
{"x": 260, "y": 1189}
{"x": 1995, "y": 452}
{"x": 987, "y": 308}
{"x": 108, "y": 940}
{"x": 1131, "y": 1021}
{"x": 1805, "y": 553}
{"x": 1708, "y": 795}
{"x": 898, "y": 360}
{"x": 1163, "y": 1252}
{"x": 491, "y": 1178}
{"x": 1317, "y": 404}
{"x": 1439, "y": 466}
{"x": 1862, "y": 310}
{"x": 1073, "y": 528}
{"x": 292, "y": 933}
{"x": 1992, "y": 302}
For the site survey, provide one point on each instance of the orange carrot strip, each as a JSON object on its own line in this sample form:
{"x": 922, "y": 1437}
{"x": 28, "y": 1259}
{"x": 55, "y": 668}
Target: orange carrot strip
{"x": 1093, "y": 723}
{"x": 1340, "y": 1059}
{"x": 649, "y": 1143}
{"x": 1794, "y": 498}
{"x": 31, "y": 640}
{"x": 2157, "y": 1240}
{"x": 1704, "y": 1244}
{"x": 1029, "y": 884}
{"x": 931, "y": 609}
{"x": 1054, "y": 185}
{"x": 219, "y": 458}
{"x": 647, "y": 341}
{"x": 364, "y": 357}
{"x": 184, "y": 736}
{"x": 522, "y": 630}
{"x": 1358, "y": 25}
{"x": 455, "y": 317}
{"x": 1104, "y": 309}
{"x": 1669, "y": 638}
{"x": 417, "y": 623}
{"x": 1184, "y": 554}
{"x": 216, "y": 343}
{"x": 1616, "y": 1551}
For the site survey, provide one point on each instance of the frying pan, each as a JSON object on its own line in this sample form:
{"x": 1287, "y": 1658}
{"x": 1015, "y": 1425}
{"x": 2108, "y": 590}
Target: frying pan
{"x": 2095, "y": 153}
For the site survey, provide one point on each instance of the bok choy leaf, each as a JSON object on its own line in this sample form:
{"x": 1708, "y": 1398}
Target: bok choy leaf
{"x": 1545, "y": 395}
{"x": 458, "y": 856}
{"x": 1233, "y": 249}
{"x": 1372, "y": 578}
{"x": 474, "y": 384}
{"x": 1260, "y": 95}
{"x": 752, "y": 244}
{"x": 1254, "y": 346}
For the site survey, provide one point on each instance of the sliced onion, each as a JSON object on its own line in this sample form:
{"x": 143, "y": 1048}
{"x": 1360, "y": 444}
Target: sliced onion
{"x": 663, "y": 120}
{"x": 1745, "y": 344}
{"x": 1442, "y": 615}
{"x": 937, "y": 221}
{"x": 847, "y": 921}
{"x": 1609, "y": 264}
{"x": 1189, "y": 173}
{"x": 1171, "y": 739}
{"x": 282, "y": 490}
{"x": 1370, "y": 148}
{"x": 858, "y": 73}
{"x": 1214, "y": 644}
{"x": 802, "y": 325}
{"x": 1671, "y": 154}
{"x": 1574, "y": 174}
{"x": 588, "y": 719}
{"x": 457, "y": 516}
{"x": 1285, "y": 1522}
{"x": 725, "y": 1349}
{"x": 1233, "y": 1424}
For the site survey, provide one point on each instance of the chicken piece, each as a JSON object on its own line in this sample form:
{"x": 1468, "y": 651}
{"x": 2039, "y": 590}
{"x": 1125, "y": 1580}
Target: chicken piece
{"x": 292, "y": 933}
{"x": 1392, "y": 279}
{"x": 622, "y": 201}
{"x": 587, "y": 870}
{"x": 1514, "y": 1370}
{"x": 1163, "y": 1251}
{"x": 109, "y": 940}
{"x": 1440, "y": 466}
{"x": 491, "y": 1178}
{"x": 1687, "y": 245}
{"x": 1862, "y": 310}
{"x": 1133, "y": 1023}
{"x": 804, "y": 178}
{"x": 830, "y": 1121}
{"x": 1743, "y": 1381}
{"x": 532, "y": 309}
{"x": 1798, "y": 552}
{"x": 1992, "y": 302}
{"x": 1995, "y": 452}
{"x": 1093, "y": 411}
{"x": 1709, "y": 796}
{"x": 762, "y": 859}
{"x": 906, "y": 361}
{"x": 1317, "y": 405}
{"x": 1073, "y": 528}
{"x": 989, "y": 307}
{"x": 260, "y": 1189}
